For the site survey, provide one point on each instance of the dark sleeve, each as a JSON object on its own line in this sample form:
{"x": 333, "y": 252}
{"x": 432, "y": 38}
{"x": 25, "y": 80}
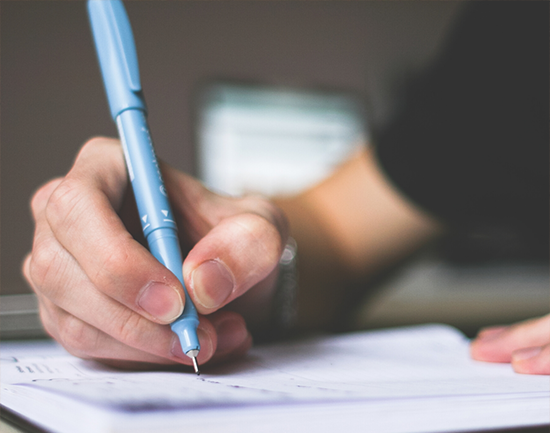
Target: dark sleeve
{"x": 470, "y": 142}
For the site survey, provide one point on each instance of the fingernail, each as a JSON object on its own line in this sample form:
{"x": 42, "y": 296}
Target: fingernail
{"x": 523, "y": 354}
{"x": 212, "y": 284}
{"x": 231, "y": 334}
{"x": 161, "y": 301}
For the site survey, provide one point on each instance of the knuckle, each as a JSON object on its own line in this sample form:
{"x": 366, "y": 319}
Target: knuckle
{"x": 117, "y": 267}
{"x": 43, "y": 263}
{"x": 25, "y": 268}
{"x": 78, "y": 337}
{"x": 264, "y": 233}
{"x": 255, "y": 223}
{"x": 262, "y": 240}
{"x": 38, "y": 200}
{"x": 270, "y": 212}
{"x": 129, "y": 328}
{"x": 98, "y": 150}
{"x": 41, "y": 196}
{"x": 64, "y": 204}
{"x": 97, "y": 144}
{"x": 47, "y": 322}
{"x": 47, "y": 325}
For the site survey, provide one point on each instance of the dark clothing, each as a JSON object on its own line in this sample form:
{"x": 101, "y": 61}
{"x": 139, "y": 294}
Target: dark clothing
{"x": 470, "y": 141}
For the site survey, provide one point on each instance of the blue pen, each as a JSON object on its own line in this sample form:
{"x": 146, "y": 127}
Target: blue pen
{"x": 117, "y": 56}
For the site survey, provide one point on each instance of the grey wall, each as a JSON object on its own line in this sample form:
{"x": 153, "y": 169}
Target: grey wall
{"x": 52, "y": 99}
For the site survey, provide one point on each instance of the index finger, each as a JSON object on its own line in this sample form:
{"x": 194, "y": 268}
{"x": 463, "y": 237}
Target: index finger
{"x": 82, "y": 215}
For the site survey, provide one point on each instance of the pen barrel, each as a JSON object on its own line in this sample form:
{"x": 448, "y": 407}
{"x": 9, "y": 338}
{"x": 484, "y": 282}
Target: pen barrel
{"x": 117, "y": 55}
{"x": 154, "y": 210}
{"x": 144, "y": 172}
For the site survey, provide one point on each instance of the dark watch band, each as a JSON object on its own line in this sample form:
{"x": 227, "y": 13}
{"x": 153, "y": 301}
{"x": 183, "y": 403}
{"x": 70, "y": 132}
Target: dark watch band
{"x": 284, "y": 307}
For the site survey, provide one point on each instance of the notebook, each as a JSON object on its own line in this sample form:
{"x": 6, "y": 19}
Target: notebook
{"x": 414, "y": 379}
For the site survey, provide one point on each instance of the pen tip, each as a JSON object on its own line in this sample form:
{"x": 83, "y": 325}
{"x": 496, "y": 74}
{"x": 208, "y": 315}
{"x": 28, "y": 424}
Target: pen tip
{"x": 196, "y": 365}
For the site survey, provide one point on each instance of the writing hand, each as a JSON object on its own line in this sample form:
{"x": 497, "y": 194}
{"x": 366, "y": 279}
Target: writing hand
{"x": 103, "y": 296}
{"x": 526, "y": 345}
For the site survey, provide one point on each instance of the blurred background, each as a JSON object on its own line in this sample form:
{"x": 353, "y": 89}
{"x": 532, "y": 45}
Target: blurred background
{"x": 265, "y": 95}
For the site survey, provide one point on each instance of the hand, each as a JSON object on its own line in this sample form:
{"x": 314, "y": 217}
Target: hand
{"x": 526, "y": 345}
{"x": 103, "y": 296}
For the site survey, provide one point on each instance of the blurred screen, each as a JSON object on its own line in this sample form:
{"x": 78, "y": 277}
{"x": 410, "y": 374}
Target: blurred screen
{"x": 254, "y": 139}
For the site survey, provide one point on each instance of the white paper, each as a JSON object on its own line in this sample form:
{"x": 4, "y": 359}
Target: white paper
{"x": 422, "y": 375}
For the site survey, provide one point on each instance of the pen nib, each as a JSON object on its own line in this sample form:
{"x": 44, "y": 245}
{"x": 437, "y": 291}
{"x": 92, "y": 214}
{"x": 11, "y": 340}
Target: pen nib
{"x": 196, "y": 365}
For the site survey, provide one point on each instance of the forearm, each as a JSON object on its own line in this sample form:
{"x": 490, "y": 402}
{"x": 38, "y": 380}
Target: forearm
{"x": 348, "y": 229}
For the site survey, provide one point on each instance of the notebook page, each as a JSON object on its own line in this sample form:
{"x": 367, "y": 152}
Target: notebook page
{"x": 408, "y": 366}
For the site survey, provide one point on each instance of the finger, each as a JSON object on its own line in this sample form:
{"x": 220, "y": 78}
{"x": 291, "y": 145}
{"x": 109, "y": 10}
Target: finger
{"x": 493, "y": 330}
{"x": 234, "y": 340}
{"x": 56, "y": 274}
{"x": 228, "y": 339}
{"x": 71, "y": 294}
{"x": 82, "y": 215}
{"x": 532, "y": 360}
{"x": 229, "y": 336}
{"x": 498, "y": 346}
{"x": 200, "y": 209}
{"x": 39, "y": 202}
{"x": 235, "y": 255}
{"x": 158, "y": 344}
{"x": 25, "y": 270}
{"x": 85, "y": 341}
{"x": 238, "y": 242}
{"x": 42, "y": 195}
{"x": 79, "y": 311}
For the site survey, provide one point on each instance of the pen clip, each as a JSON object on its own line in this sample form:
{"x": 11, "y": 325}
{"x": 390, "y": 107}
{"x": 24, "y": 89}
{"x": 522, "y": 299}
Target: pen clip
{"x": 117, "y": 55}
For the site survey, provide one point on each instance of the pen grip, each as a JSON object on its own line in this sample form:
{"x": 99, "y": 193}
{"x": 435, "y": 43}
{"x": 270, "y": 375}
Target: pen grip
{"x": 144, "y": 172}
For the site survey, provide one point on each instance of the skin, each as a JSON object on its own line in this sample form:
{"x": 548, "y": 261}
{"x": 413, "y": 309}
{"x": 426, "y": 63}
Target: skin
{"x": 104, "y": 297}
{"x": 525, "y": 345}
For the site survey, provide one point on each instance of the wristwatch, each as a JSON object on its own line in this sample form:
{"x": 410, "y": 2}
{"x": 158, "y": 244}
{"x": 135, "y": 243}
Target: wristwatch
{"x": 284, "y": 307}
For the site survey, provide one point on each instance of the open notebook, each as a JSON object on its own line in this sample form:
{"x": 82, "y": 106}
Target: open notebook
{"x": 417, "y": 379}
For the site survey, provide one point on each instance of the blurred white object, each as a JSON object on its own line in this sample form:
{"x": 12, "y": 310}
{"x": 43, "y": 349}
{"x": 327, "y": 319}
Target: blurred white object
{"x": 274, "y": 141}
